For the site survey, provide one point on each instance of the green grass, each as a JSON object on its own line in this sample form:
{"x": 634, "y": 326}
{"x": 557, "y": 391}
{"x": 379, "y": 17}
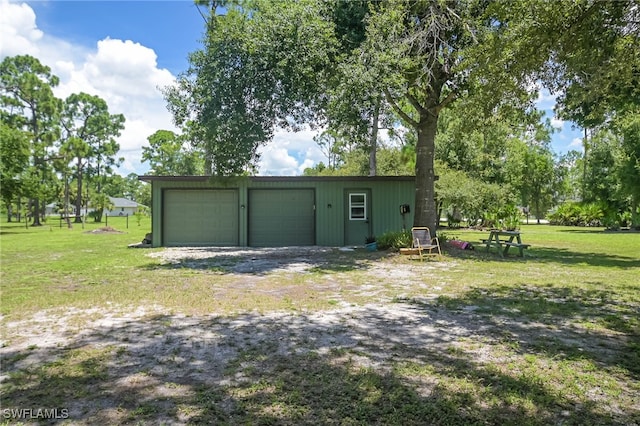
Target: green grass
{"x": 49, "y": 266}
{"x": 557, "y": 337}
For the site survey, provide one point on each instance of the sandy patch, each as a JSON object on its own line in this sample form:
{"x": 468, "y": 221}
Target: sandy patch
{"x": 152, "y": 354}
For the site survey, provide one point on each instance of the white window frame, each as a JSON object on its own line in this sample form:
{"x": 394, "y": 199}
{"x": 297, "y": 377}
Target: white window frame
{"x": 358, "y": 205}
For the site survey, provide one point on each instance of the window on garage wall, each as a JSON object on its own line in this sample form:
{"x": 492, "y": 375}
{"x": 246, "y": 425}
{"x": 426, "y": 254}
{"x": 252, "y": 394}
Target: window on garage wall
{"x": 357, "y": 206}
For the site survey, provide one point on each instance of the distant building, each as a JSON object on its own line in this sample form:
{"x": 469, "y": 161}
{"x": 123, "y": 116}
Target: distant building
{"x": 56, "y": 209}
{"x": 122, "y": 207}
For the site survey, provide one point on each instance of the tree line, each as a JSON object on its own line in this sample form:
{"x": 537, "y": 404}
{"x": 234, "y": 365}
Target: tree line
{"x": 454, "y": 81}
{"x": 56, "y": 150}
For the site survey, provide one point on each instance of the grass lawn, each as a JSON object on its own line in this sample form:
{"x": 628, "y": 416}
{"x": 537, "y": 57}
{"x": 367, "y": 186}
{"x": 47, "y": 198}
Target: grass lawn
{"x": 117, "y": 335}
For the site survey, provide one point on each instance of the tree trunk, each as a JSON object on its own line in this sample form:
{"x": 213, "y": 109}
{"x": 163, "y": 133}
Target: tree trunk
{"x": 36, "y": 212}
{"x": 78, "y": 218}
{"x": 39, "y": 164}
{"x": 584, "y": 166}
{"x": 66, "y": 200}
{"x": 9, "y": 211}
{"x": 373, "y": 162}
{"x": 425, "y": 200}
{"x": 439, "y": 207}
{"x": 208, "y": 163}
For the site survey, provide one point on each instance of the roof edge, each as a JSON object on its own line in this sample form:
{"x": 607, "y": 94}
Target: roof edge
{"x": 150, "y": 178}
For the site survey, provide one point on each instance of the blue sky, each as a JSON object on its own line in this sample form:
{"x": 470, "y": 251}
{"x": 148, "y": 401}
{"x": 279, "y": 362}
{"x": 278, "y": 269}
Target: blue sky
{"x": 123, "y": 51}
{"x": 171, "y": 28}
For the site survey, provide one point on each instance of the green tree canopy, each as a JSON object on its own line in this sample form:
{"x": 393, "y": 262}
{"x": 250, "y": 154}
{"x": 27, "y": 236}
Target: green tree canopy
{"x": 347, "y": 64}
{"x": 28, "y": 105}
{"x": 260, "y": 68}
{"x": 88, "y": 132}
{"x": 14, "y": 161}
{"x": 168, "y": 155}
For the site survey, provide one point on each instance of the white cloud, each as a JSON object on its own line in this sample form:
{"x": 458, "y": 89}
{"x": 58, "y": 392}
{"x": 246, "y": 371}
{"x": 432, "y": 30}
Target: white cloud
{"x": 557, "y": 123}
{"x": 18, "y": 31}
{"x": 276, "y": 161}
{"x": 576, "y": 144}
{"x": 125, "y": 70}
{"x": 19, "y": 35}
{"x": 126, "y": 75}
{"x": 290, "y": 153}
{"x": 123, "y": 73}
{"x": 545, "y": 100}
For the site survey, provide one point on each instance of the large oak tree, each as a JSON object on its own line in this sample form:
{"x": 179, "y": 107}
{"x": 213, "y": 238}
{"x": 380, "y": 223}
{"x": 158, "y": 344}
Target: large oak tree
{"x": 266, "y": 64}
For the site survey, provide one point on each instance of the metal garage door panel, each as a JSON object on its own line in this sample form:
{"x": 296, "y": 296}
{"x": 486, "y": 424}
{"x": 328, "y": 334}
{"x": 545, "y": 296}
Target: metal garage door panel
{"x": 281, "y": 217}
{"x": 200, "y": 217}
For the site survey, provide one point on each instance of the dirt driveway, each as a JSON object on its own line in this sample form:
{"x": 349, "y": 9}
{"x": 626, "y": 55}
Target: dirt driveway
{"x": 146, "y": 364}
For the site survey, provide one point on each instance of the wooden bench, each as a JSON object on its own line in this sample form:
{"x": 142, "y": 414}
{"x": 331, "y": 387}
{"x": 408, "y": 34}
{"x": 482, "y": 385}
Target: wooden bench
{"x": 524, "y": 246}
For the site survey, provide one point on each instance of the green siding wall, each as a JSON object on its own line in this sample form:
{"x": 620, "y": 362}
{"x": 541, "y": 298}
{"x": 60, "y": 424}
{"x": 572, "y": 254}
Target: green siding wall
{"x": 386, "y": 197}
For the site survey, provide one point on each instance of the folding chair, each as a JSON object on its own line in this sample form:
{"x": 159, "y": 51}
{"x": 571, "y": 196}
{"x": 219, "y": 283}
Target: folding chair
{"x": 425, "y": 244}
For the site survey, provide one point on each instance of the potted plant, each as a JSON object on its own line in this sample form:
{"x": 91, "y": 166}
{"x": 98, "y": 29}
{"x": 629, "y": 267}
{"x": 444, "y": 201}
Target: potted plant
{"x": 370, "y": 243}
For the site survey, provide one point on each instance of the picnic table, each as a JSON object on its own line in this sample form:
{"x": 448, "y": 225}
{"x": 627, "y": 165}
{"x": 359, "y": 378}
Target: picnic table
{"x": 506, "y": 242}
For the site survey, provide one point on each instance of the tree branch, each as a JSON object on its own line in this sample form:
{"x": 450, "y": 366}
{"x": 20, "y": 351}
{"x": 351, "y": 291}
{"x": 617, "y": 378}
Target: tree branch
{"x": 448, "y": 100}
{"x": 414, "y": 103}
{"x": 398, "y": 110}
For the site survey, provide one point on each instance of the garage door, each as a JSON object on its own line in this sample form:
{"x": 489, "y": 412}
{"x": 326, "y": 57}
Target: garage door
{"x": 200, "y": 217}
{"x": 281, "y": 217}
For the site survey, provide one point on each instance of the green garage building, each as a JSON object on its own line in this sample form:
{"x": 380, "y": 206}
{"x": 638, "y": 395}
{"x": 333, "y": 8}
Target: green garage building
{"x": 277, "y": 211}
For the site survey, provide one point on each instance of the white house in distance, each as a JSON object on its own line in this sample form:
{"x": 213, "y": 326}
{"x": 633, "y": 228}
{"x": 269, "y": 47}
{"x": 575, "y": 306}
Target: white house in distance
{"x": 122, "y": 207}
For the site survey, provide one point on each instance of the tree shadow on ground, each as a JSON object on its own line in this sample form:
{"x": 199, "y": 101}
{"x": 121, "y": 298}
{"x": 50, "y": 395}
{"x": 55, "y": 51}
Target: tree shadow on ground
{"x": 417, "y": 363}
{"x": 5, "y": 232}
{"x": 568, "y": 257}
{"x": 561, "y": 322}
{"x": 550, "y": 255}
{"x": 258, "y": 261}
{"x": 600, "y": 231}
{"x": 583, "y": 231}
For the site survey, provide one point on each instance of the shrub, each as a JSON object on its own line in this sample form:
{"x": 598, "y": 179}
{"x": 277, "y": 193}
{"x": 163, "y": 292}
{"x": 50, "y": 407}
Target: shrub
{"x": 592, "y": 214}
{"x": 454, "y": 219}
{"x": 394, "y": 240}
{"x": 577, "y": 214}
{"x": 612, "y": 221}
{"x": 96, "y": 215}
{"x": 140, "y": 213}
{"x": 567, "y": 214}
{"x": 510, "y": 217}
{"x": 443, "y": 237}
